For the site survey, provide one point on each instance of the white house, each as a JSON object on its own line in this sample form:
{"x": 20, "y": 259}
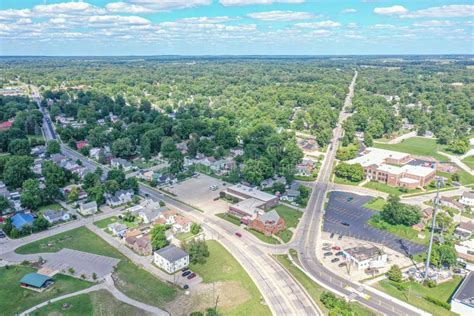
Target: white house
{"x": 88, "y": 208}
{"x": 117, "y": 229}
{"x": 95, "y": 153}
{"x": 365, "y": 257}
{"x": 119, "y": 162}
{"x": 171, "y": 258}
{"x": 53, "y": 216}
{"x": 182, "y": 224}
{"x": 120, "y": 197}
{"x": 462, "y": 302}
{"x": 467, "y": 199}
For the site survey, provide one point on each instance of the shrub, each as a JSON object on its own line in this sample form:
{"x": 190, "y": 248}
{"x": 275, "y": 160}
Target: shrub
{"x": 438, "y": 302}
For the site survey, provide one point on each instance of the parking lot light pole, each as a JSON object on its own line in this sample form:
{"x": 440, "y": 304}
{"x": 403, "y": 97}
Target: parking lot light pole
{"x": 433, "y": 223}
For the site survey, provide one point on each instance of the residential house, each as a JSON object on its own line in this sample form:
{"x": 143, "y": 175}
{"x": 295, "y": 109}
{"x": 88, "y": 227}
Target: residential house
{"x": 55, "y": 216}
{"x": 464, "y": 230}
{"x": 427, "y": 214}
{"x": 94, "y": 153}
{"x": 182, "y": 224}
{"x": 88, "y": 208}
{"x": 57, "y": 158}
{"x": 169, "y": 216}
{"x": 81, "y": 144}
{"x": 132, "y": 233}
{"x": 450, "y": 202}
{"x": 38, "y": 151}
{"x": 121, "y": 163}
{"x": 113, "y": 118}
{"x": 462, "y": 302}
{"x": 171, "y": 258}
{"x": 146, "y": 175}
{"x": 365, "y": 257}
{"x": 141, "y": 244}
{"x": 21, "y": 220}
{"x": 148, "y": 215}
{"x": 467, "y": 199}
{"x": 117, "y": 229}
{"x": 120, "y": 197}
{"x": 465, "y": 249}
{"x": 305, "y": 168}
{"x": 269, "y": 223}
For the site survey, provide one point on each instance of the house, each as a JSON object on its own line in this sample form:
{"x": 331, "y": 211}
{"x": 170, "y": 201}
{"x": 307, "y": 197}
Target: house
{"x": 171, "y": 258}
{"x": 121, "y": 163}
{"x": 182, "y": 147}
{"x": 113, "y": 118}
{"x": 169, "y": 216}
{"x": 269, "y": 223}
{"x": 305, "y": 168}
{"x": 5, "y": 126}
{"x": 464, "y": 230}
{"x": 146, "y": 175}
{"x": 120, "y": 197}
{"x": 242, "y": 192}
{"x": 88, "y": 208}
{"x": 21, "y": 220}
{"x": 94, "y": 153}
{"x": 117, "y": 229}
{"x": 182, "y": 224}
{"x": 450, "y": 202}
{"x": 418, "y": 227}
{"x": 148, "y": 215}
{"x": 140, "y": 244}
{"x": 462, "y": 302}
{"x": 465, "y": 249}
{"x": 57, "y": 158}
{"x": 132, "y": 233}
{"x": 36, "y": 282}
{"x": 365, "y": 257}
{"x": 81, "y": 144}
{"x": 55, "y": 216}
{"x": 467, "y": 199}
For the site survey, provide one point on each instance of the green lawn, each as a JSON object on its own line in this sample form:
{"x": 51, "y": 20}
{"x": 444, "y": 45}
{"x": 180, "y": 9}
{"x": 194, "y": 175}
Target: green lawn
{"x": 15, "y": 299}
{"x": 131, "y": 280}
{"x": 54, "y": 207}
{"x": 418, "y": 146}
{"x": 222, "y": 267}
{"x": 417, "y": 291}
{"x": 94, "y": 303}
{"x": 469, "y": 160}
{"x": 264, "y": 238}
{"x": 376, "y": 204}
{"x": 103, "y": 223}
{"x": 382, "y": 187}
{"x": 184, "y": 236}
{"x": 344, "y": 181}
{"x": 230, "y": 218}
{"x": 399, "y": 230}
{"x": 290, "y": 215}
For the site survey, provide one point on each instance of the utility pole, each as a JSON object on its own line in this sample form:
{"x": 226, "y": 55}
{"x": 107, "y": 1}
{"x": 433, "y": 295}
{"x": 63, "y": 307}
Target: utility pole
{"x": 433, "y": 223}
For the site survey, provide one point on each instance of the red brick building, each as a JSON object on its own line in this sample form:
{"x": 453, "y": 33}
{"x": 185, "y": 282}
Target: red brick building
{"x": 269, "y": 223}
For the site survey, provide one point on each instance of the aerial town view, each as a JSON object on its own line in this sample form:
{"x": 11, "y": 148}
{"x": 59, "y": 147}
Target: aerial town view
{"x": 236, "y": 157}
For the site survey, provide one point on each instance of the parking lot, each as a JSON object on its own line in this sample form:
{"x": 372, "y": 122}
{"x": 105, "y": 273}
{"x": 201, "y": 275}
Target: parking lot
{"x": 197, "y": 192}
{"x": 345, "y": 215}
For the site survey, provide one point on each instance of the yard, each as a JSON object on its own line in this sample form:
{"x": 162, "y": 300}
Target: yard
{"x": 230, "y": 218}
{"x": 416, "y": 292}
{"x": 263, "y": 237}
{"x": 291, "y": 217}
{"x": 223, "y": 269}
{"x": 94, "y": 303}
{"x": 464, "y": 176}
{"x": 103, "y": 223}
{"x": 399, "y": 230}
{"x": 418, "y": 146}
{"x": 469, "y": 160}
{"x": 131, "y": 280}
{"x": 387, "y": 189}
{"x": 376, "y": 204}
{"x": 15, "y": 299}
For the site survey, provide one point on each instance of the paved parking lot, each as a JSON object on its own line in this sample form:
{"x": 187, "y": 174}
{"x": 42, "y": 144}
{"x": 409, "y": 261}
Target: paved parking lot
{"x": 344, "y": 207}
{"x": 197, "y": 192}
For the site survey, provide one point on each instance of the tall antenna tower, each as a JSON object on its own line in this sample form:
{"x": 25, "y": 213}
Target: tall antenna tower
{"x": 439, "y": 182}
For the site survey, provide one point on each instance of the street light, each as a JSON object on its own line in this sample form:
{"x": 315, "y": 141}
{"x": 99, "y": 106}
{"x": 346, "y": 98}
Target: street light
{"x": 439, "y": 182}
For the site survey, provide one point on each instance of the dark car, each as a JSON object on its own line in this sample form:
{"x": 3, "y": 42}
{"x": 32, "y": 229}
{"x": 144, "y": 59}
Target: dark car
{"x": 349, "y": 199}
{"x": 191, "y": 276}
{"x": 345, "y": 224}
{"x": 238, "y": 234}
{"x": 335, "y": 260}
{"x": 332, "y": 235}
{"x": 185, "y": 287}
{"x": 339, "y": 253}
{"x": 186, "y": 273}
{"x": 328, "y": 253}
{"x": 340, "y": 237}
{"x": 336, "y": 248}
{"x": 342, "y": 264}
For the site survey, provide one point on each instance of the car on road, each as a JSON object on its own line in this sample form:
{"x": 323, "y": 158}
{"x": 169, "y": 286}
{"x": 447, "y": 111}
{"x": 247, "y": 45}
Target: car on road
{"x": 350, "y": 198}
{"x": 345, "y": 224}
{"x": 191, "y": 276}
{"x": 339, "y": 253}
{"x": 238, "y": 234}
{"x": 335, "y": 260}
{"x": 336, "y": 248}
{"x": 328, "y": 254}
{"x": 342, "y": 264}
{"x": 332, "y": 235}
{"x": 340, "y": 237}
{"x": 186, "y": 273}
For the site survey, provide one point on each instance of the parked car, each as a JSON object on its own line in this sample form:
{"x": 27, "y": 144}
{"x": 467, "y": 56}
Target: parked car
{"x": 185, "y": 287}
{"x": 328, "y": 253}
{"x": 2, "y": 234}
{"x": 185, "y": 269}
{"x": 349, "y": 199}
{"x": 238, "y": 234}
{"x": 345, "y": 224}
{"x": 339, "y": 253}
{"x": 186, "y": 273}
{"x": 340, "y": 237}
{"x": 191, "y": 276}
{"x": 336, "y": 248}
{"x": 342, "y": 264}
{"x": 332, "y": 235}
{"x": 335, "y": 260}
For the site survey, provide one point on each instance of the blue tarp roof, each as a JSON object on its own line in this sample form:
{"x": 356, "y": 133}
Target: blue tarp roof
{"x": 35, "y": 279}
{"x": 21, "y": 219}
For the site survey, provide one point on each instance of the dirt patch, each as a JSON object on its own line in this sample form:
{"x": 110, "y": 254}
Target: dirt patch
{"x": 231, "y": 294}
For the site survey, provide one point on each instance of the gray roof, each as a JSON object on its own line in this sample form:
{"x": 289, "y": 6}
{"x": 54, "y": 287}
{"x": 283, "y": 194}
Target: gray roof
{"x": 469, "y": 195}
{"x": 153, "y": 213}
{"x": 271, "y": 216}
{"x": 465, "y": 293}
{"x": 89, "y": 205}
{"x": 172, "y": 253}
{"x": 54, "y": 214}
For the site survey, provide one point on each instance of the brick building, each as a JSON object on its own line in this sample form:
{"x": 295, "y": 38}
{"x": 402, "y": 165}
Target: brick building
{"x": 269, "y": 223}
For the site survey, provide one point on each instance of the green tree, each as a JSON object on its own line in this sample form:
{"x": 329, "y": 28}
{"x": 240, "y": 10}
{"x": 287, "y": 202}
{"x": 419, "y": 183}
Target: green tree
{"x": 197, "y": 250}
{"x": 19, "y": 147}
{"x": 123, "y": 147}
{"x": 395, "y": 274}
{"x": 176, "y": 160}
{"x": 31, "y": 195}
{"x": 40, "y": 224}
{"x": 255, "y": 171}
{"x": 4, "y": 204}
{"x": 368, "y": 140}
{"x": 73, "y": 194}
{"x": 352, "y": 172}
{"x": 53, "y": 147}
{"x": 158, "y": 237}
{"x": 195, "y": 228}
{"x": 396, "y": 213}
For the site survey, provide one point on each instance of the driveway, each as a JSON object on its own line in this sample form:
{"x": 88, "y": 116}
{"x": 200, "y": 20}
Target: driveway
{"x": 348, "y": 208}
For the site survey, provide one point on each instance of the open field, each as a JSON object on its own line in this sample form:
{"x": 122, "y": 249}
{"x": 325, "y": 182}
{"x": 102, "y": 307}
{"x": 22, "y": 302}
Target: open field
{"x": 291, "y": 217}
{"x": 399, "y": 230}
{"x": 418, "y": 146}
{"x": 15, "y": 299}
{"x": 376, "y": 204}
{"x": 232, "y": 219}
{"x": 103, "y": 223}
{"x": 223, "y": 269}
{"x": 415, "y": 293}
{"x": 387, "y": 189}
{"x": 131, "y": 280}
{"x": 469, "y": 161}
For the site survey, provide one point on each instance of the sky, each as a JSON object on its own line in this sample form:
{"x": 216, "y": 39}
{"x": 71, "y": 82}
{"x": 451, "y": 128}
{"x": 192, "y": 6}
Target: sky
{"x": 235, "y": 27}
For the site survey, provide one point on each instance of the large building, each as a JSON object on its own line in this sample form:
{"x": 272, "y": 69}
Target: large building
{"x": 269, "y": 223}
{"x": 171, "y": 258}
{"x": 243, "y": 192}
{"x": 391, "y": 168}
{"x": 462, "y": 302}
{"x": 365, "y": 257}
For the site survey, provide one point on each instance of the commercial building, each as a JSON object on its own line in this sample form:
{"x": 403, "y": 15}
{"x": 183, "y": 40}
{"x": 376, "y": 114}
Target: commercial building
{"x": 171, "y": 258}
{"x": 242, "y": 192}
{"x": 365, "y": 257}
{"x": 462, "y": 302}
{"x": 247, "y": 208}
{"x": 391, "y": 168}
{"x": 269, "y": 223}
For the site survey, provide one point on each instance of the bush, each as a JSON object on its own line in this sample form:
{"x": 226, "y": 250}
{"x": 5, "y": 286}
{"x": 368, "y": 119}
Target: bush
{"x": 438, "y": 302}
{"x": 430, "y": 283}
{"x": 395, "y": 274}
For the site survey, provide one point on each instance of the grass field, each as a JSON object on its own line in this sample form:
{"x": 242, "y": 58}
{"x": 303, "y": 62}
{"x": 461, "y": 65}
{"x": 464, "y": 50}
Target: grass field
{"x": 15, "y": 299}
{"x": 376, "y": 204}
{"x": 344, "y": 181}
{"x": 399, "y": 230}
{"x": 95, "y": 303}
{"x": 291, "y": 217}
{"x": 469, "y": 161}
{"x": 54, "y": 207}
{"x": 417, "y": 291}
{"x": 103, "y": 223}
{"x": 234, "y": 220}
{"x": 387, "y": 189}
{"x": 222, "y": 267}
{"x": 263, "y": 237}
{"x": 418, "y": 146}
{"x": 131, "y": 280}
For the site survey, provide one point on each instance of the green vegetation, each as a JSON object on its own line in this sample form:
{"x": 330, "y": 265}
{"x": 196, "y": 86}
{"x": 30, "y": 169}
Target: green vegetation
{"x": 16, "y": 299}
{"x": 263, "y": 237}
{"x": 230, "y": 218}
{"x": 53, "y": 206}
{"x": 469, "y": 161}
{"x": 376, "y": 204}
{"x": 416, "y": 294}
{"x": 388, "y": 189}
{"x": 103, "y": 223}
{"x": 418, "y": 146}
{"x": 291, "y": 217}
{"x": 131, "y": 280}
{"x": 399, "y": 230}
{"x": 222, "y": 267}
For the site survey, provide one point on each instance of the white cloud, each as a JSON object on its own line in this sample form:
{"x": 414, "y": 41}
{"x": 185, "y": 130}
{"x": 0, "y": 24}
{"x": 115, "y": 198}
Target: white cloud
{"x": 82, "y": 8}
{"x": 352, "y": 25}
{"x": 446, "y": 11}
{"x": 116, "y": 20}
{"x": 252, "y": 2}
{"x": 316, "y": 25}
{"x": 349, "y": 10}
{"x": 166, "y": 5}
{"x": 393, "y": 10}
{"x": 382, "y": 26}
{"x": 434, "y": 23}
{"x": 11, "y": 14}
{"x": 205, "y": 19}
{"x": 281, "y": 16}
{"x": 126, "y": 8}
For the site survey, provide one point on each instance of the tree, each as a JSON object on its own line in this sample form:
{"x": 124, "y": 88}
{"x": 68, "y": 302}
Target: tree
{"x": 395, "y": 274}
{"x": 73, "y": 194}
{"x": 168, "y": 147}
{"x": 117, "y": 175}
{"x": 197, "y": 250}
{"x": 458, "y": 146}
{"x": 444, "y": 255}
{"x": 19, "y": 147}
{"x": 396, "y": 213}
{"x": 40, "y": 224}
{"x": 31, "y": 195}
{"x": 195, "y": 228}
{"x": 54, "y": 175}
{"x": 255, "y": 171}
{"x": 53, "y": 147}
{"x": 111, "y": 186}
{"x": 352, "y": 172}
{"x": 158, "y": 237}
{"x": 176, "y": 160}
{"x": 368, "y": 140}
{"x": 123, "y": 147}
{"x": 4, "y": 204}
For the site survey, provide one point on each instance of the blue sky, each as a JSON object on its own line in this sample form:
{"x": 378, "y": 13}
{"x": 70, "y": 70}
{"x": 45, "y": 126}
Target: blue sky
{"x": 235, "y": 27}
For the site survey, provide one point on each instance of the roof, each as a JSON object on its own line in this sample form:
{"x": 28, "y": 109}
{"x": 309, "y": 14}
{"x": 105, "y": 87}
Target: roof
{"x": 252, "y": 192}
{"x": 89, "y": 205}
{"x": 270, "y": 217}
{"x": 6, "y": 124}
{"x": 249, "y": 206}
{"x": 181, "y": 220}
{"x": 465, "y": 292}
{"x": 54, "y": 214}
{"x": 408, "y": 180}
{"x": 363, "y": 253}
{"x": 468, "y": 194}
{"x": 35, "y": 279}
{"x": 171, "y": 253}
{"x": 469, "y": 226}
{"x": 419, "y": 171}
{"x": 21, "y": 219}
{"x": 117, "y": 226}
{"x": 390, "y": 169}
{"x": 377, "y": 156}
